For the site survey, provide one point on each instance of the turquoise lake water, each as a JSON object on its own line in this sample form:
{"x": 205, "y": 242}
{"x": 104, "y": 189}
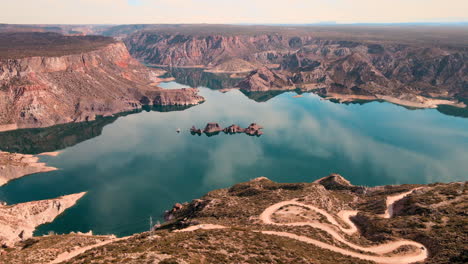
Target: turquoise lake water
{"x": 136, "y": 166}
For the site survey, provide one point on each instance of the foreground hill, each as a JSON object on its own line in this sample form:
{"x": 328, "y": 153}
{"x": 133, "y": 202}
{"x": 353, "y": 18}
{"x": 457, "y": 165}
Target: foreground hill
{"x": 328, "y": 221}
{"x": 48, "y": 79}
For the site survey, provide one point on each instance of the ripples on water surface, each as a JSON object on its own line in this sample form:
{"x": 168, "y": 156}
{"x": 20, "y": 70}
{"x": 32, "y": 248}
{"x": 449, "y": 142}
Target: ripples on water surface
{"x": 137, "y": 165}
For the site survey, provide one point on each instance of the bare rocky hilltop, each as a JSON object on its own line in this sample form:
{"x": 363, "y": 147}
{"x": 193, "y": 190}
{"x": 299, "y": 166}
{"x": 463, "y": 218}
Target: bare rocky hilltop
{"x": 327, "y": 221}
{"x": 48, "y": 79}
{"x": 414, "y": 66}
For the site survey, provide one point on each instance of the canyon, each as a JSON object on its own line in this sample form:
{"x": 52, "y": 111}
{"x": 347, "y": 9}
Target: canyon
{"x": 415, "y": 71}
{"x": 74, "y": 79}
{"x": 58, "y": 90}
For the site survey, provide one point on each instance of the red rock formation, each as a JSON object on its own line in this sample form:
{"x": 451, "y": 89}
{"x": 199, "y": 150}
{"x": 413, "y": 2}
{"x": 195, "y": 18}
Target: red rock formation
{"x": 264, "y": 79}
{"x": 254, "y": 130}
{"x": 232, "y": 129}
{"x": 212, "y": 128}
{"x": 362, "y": 63}
{"x": 44, "y": 91}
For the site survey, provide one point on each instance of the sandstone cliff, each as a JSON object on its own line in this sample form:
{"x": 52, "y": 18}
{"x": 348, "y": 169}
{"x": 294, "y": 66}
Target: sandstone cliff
{"x": 19, "y": 221}
{"x": 13, "y": 166}
{"x": 42, "y": 91}
{"x": 264, "y": 79}
{"x": 349, "y": 61}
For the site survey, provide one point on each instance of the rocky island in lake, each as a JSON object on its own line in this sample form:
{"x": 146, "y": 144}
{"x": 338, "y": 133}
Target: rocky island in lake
{"x": 212, "y": 129}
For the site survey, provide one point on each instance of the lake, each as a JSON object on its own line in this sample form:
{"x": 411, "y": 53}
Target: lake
{"x": 135, "y": 165}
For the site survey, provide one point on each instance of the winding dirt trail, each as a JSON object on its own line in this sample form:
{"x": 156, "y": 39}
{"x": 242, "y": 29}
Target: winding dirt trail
{"x": 334, "y": 230}
{"x": 391, "y": 200}
{"x": 69, "y": 255}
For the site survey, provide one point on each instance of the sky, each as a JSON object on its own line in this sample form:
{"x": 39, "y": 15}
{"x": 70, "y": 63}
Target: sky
{"x": 231, "y": 11}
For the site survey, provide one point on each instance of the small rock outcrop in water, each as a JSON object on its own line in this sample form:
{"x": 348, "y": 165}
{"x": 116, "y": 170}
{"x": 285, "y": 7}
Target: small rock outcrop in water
{"x": 214, "y": 129}
{"x": 233, "y": 129}
{"x": 19, "y": 221}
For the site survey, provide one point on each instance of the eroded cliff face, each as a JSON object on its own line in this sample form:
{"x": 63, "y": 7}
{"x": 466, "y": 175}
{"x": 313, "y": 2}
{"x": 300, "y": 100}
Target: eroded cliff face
{"x": 15, "y": 165}
{"x": 208, "y": 50}
{"x": 398, "y": 69}
{"x": 387, "y": 69}
{"x": 44, "y": 91}
{"x": 19, "y": 221}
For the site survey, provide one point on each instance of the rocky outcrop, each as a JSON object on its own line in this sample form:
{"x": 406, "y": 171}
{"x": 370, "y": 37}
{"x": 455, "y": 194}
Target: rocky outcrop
{"x": 19, "y": 221}
{"x": 214, "y": 129}
{"x": 233, "y": 129}
{"x": 264, "y": 79}
{"x": 349, "y": 61}
{"x": 234, "y": 65}
{"x": 42, "y": 91}
{"x": 14, "y": 165}
{"x": 206, "y": 49}
{"x": 180, "y": 97}
{"x": 254, "y": 130}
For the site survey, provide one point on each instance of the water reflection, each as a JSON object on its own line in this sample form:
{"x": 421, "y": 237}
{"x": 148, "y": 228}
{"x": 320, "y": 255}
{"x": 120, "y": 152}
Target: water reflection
{"x": 198, "y": 77}
{"x": 39, "y": 140}
{"x": 140, "y": 166}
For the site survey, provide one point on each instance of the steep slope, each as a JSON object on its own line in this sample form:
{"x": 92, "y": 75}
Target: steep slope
{"x": 19, "y": 221}
{"x": 397, "y": 64}
{"x": 263, "y": 79}
{"x": 71, "y": 82}
{"x": 327, "y": 221}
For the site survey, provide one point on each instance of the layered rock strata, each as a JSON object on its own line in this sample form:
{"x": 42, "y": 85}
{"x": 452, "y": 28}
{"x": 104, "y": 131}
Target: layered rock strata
{"x": 42, "y": 91}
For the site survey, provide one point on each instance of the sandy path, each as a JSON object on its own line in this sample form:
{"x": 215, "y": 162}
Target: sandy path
{"x": 335, "y": 227}
{"x": 394, "y": 198}
{"x": 69, "y": 255}
{"x": 201, "y": 226}
{"x": 388, "y": 260}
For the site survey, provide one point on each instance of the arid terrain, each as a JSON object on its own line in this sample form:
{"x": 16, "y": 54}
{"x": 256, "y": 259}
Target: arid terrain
{"x": 260, "y": 221}
{"x": 408, "y": 66}
{"x": 73, "y": 79}
{"x": 67, "y": 82}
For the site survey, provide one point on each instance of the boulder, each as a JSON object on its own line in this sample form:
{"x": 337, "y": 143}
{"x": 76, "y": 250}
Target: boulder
{"x": 212, "y": 128}
{"x": 232, "y": 129}
{"x": 254, "y": 130}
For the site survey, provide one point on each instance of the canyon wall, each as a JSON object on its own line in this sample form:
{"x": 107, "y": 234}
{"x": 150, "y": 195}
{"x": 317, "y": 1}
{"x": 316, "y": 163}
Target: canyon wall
{"x": 365, "y": 66}
{"x": 42, "y": 91}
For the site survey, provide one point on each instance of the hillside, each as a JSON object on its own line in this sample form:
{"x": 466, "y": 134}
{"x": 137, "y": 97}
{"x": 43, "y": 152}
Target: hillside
{"x": 73, "y": 79}
{"x": 408, "y": 65}
{"x": 327, "y": 221}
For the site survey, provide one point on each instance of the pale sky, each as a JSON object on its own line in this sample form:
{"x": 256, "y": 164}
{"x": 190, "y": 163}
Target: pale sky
{"x": 230, "y": 11}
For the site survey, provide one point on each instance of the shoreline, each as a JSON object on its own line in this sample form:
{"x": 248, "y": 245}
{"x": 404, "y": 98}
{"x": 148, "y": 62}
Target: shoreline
{"x": 426, "y": 103}
{"x": 14, "y": 166}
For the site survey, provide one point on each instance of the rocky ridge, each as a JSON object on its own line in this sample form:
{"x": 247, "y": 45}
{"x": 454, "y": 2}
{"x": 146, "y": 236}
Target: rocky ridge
{"x": 329, "y": 220}
{"x": 19, "y": 221}
{"x": 44, "y": 91}
{"x": 336, "y": 64}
